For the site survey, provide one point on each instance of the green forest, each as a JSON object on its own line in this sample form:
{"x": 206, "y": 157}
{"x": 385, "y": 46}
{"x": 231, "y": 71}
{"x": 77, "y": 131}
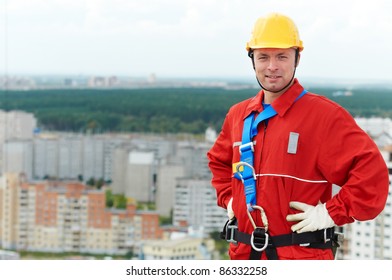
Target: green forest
{"x": 161, "y": 110}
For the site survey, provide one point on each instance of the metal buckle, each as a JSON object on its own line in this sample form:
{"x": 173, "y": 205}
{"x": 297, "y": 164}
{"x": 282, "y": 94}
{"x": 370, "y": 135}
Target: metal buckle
{"x": 242, "y": 163}
{"x": 265, "y": 242}
{"x": 325, "y": 236}
{"x": 265, "y": 223}
{"x": 250, "y": 144}
{"x": 230, "y": 227}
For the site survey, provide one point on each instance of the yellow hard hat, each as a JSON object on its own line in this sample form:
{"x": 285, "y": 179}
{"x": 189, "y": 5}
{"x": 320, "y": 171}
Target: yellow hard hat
{"x": 274, "y": 31}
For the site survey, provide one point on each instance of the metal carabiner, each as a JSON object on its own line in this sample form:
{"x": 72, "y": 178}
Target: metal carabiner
{"x": 242, "y": 163}
{"x": 262, "y": 214}
{"x": 265, "y": 223}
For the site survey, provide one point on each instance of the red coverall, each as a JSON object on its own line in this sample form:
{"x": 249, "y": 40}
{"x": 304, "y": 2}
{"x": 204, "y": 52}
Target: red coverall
{"x": 331, "y": 147}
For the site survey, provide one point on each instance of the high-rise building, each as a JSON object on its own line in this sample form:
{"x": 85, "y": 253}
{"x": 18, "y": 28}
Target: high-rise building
{"x": 15, "y": 125}
{"x": 68, "y": 216}
{"x": 46, "y": 157}
{"x": 134, "y": 173}
{"x": 166, "y": 184}
{"x": 62, "y": 156}
{"x": 70, "y": 157}
{"x": 18, "y": 157}
{"x": 195, "y": 205}
{"x": 93, "y": 157}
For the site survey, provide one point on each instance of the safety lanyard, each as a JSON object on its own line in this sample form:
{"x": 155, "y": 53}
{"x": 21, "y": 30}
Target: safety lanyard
{"x": 247, "y": 175}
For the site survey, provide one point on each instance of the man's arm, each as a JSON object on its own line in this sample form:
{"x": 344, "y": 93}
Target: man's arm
{"x": 349, "y": 158}
{"x": 220, "y": 164}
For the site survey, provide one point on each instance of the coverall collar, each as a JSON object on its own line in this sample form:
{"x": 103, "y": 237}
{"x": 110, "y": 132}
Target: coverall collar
{"x": 281, "y": 104}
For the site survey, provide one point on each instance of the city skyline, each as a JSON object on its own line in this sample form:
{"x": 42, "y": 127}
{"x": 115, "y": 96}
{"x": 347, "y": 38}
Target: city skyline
{"x": 188, "y": 38}
{"x": 167, "y": 171}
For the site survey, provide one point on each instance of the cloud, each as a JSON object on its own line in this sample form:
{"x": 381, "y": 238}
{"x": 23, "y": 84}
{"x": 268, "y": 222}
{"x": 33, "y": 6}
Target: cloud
{"x": 189, "y": 37}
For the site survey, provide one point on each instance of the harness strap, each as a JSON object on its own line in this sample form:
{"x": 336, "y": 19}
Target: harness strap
{"x": 246, "y": 173}
{"x": 250, "y": 130}
{"x": 320, "y": 239}
{"x": 258, "y": 239}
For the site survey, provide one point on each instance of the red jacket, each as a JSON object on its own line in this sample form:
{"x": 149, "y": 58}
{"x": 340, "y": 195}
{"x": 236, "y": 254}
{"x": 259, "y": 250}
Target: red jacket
{"x": 331, "y": 147}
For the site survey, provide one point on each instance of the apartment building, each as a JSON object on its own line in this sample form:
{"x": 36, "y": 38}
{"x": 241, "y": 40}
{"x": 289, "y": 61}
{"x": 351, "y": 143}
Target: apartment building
{"x": 18, "y": 157}
{"x": 68, "y": 217}
{"x": 178, "y": 249}
{"x": 134, "y": 173}
{"x": 61, "y": 156}
{"x": 173, "y": 173}
{"x": 166, "y": 184}
{"x": 15, "y": 125}
{"x": 380, "y": 129}
{"x": 187, "y": 159}
{"x": 142, "y": 167}
{"x": 195, "y": 205}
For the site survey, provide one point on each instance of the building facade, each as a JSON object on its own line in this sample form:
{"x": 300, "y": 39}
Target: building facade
{"x": 195, "y": 205}
{"x": 54, "y": 216}
{"x": 178, "y": 249}
{"x": 15, "y": 125}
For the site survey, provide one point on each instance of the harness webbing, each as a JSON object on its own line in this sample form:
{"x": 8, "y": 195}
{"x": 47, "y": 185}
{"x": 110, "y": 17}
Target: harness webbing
{"x": 250, "y": 130}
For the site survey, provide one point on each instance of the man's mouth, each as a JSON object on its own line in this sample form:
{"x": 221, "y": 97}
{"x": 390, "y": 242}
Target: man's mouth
{"x": 272, "y": 76}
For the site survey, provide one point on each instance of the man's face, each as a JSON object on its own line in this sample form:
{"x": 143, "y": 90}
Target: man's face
{"x": 274, "y": 67}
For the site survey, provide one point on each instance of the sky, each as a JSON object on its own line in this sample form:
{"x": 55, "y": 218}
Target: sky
{"x": 343, "y": 39}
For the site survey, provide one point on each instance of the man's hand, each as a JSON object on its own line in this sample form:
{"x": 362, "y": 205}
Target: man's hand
{"x": 311, "y": 219}
{"x": 230, "y": 212}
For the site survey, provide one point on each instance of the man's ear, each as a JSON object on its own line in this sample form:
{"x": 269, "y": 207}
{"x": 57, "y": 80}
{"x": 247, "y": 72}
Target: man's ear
{"x": 297, "y": 57}
{"x": 251, "y": 55}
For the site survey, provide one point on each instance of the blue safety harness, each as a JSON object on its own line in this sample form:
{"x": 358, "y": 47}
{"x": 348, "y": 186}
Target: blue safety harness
{"x": 247, "y": 174}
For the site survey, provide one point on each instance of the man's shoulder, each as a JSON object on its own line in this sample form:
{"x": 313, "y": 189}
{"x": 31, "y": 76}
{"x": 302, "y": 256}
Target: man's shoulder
{"x": 317, "y": 99}
{"x": 322, "y": 105}
{"x": 241, "y": 107}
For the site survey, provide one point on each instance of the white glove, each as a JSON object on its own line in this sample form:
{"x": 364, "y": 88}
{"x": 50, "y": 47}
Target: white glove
{"x": 230, "y": 212}
{"x": 311, "y": 219}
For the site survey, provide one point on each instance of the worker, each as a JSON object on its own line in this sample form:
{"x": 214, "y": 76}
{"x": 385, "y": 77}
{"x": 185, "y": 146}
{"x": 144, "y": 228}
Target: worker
{"x": 279, "y": 153}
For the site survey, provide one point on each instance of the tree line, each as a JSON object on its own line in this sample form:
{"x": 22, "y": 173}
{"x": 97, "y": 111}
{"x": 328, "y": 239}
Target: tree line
{"x": 160, "y": 110}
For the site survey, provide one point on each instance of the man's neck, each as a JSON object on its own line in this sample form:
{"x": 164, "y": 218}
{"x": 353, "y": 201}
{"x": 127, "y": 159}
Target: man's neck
{"x": 270, "y": 97}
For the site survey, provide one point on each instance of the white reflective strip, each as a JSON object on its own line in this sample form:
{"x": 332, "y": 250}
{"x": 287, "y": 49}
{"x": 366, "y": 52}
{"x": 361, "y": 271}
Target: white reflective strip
{"x": 292, "y": 177}
{"x": 293, "y": 143}
{"x": 237, "y": 144}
